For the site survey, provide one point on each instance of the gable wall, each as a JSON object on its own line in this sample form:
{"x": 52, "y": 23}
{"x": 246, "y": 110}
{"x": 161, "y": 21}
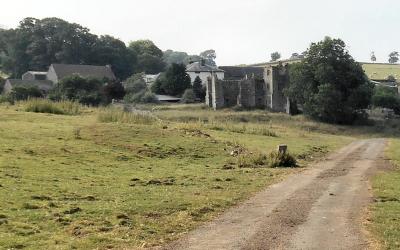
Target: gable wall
{"x": 52, "y": 75}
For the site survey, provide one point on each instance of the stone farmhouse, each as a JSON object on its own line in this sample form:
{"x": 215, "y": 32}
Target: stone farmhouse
{"x": 200, "y": 69}
{"x": 46, "y": 80}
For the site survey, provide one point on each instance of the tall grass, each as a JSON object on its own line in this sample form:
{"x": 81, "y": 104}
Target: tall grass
{"x": 120, "y": 116}
{"x": 46, "y": 106}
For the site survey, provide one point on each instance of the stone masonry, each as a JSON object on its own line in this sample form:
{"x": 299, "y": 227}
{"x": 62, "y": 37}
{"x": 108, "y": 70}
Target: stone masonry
{"x": 250, "y": 91}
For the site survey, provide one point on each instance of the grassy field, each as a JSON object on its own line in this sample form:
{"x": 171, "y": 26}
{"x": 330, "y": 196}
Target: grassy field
{"x": 381, "y": 71}
{"x": 77, "y": 181}
{"x": 385, "y": 211}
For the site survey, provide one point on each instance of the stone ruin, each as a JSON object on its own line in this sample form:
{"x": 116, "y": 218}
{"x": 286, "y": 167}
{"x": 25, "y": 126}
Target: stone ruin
{"x": 250, "y": 87}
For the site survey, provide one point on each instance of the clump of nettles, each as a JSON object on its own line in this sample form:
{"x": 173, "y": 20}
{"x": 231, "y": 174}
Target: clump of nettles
{"x": 274, "y": 160}
{"x": 281, "y": 159}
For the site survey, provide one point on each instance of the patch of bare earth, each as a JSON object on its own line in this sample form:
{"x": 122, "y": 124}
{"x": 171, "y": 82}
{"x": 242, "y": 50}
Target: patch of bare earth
{"x": 320, "y": 208}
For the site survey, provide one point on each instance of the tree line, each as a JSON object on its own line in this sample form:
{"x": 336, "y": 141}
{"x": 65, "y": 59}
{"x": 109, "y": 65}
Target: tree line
{"x": 37, "y": 43}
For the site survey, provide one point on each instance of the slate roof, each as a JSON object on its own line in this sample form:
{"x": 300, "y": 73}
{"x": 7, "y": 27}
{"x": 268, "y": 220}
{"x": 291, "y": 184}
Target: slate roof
{"x": 64, "y": 70}
{"x": 198, "y": 67}
{"x": 44, "y": 85}
{"x": 237, "y": 73}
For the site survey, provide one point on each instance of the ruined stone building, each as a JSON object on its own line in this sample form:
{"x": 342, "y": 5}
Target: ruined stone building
{"x": 250, "y": 87}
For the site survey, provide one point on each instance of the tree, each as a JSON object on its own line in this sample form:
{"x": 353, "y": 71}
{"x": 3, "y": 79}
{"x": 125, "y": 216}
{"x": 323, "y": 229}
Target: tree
{"x": 329, "y": 84}
{"x": 275, "y": 56}
{"x": 37, "y": 43}
{"x": 386, "y": 97}
{"x": 112, "y": 51}
{"x": 175, "y": 80}
{"x": 113, "y": 90}
{"x": 145, "y": 47}
{"x": 88, "y": 91}
{"x": 150, "y": 64}
{"x": 135, "y": 83}
{"x": 373, "y": 57}
{"x": 394, "y": 57}
{"x": 171, "y": 57}
{"x": 209, "y": 56}
{"x": 188, "y": 96}
{"x": 149, "y": 57}
{"x": 2, "y": 82}
{"x": 198, "y": 88}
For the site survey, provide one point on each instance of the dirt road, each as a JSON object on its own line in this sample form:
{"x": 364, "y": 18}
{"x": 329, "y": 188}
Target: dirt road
{"x": 320, "y": 208}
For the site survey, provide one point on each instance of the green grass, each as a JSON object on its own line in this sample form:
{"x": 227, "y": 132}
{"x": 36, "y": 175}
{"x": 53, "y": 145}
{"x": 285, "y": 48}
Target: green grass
{"x": 99, "y": 180}
{"x": 120, "y": 116}
{"x": 386, "y": 210}
{"x": 46, "y": 106}
{"x": 381, "y": 71}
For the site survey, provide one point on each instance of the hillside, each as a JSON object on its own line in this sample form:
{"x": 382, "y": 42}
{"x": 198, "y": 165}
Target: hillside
{"x": 374, "y": 71}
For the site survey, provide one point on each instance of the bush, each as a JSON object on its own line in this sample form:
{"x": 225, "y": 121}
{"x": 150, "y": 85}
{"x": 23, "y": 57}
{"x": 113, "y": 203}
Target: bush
{"x": 135, "y": 84}
{"x": 88, "y": 91}
{"x": 23, "y": 93}
{"x": 198, "y": 89}
{"x": 47, "y": 106}
{"x": 149, "y": 97}
{"x": 2, "y": 82}
{"x": 120, "y": 116}
{"x": 252, "y": 160}
{"x": 189, "y": 96}
{"x": 277, "y": 159}
{"x": 385, "y": 97}
{"x": 141, "y": 97}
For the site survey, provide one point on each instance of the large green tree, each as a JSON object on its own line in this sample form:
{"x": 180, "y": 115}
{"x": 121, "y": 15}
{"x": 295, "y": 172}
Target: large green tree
{"x": 173, "y": 82}
{"x": 149, "y": 57}
{"x": 329, "y": 84}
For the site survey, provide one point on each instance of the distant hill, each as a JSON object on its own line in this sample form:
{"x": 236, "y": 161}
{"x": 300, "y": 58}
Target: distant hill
{"x": 381, "y": 71}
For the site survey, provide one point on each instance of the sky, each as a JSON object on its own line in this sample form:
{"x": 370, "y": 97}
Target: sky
{"x": 241, "y": 31}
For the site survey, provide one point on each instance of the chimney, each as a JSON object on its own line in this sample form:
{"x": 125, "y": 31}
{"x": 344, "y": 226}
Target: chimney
{"x": 202, "y": 62}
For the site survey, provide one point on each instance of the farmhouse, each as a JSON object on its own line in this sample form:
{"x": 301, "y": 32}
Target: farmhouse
{"x": 45, "y": 80}
{"x": 57, "y": 72}
{"x": 203, "y": 71}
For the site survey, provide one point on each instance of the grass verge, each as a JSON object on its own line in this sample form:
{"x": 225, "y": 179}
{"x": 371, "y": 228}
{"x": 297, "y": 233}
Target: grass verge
{"x": 385, "y": 221}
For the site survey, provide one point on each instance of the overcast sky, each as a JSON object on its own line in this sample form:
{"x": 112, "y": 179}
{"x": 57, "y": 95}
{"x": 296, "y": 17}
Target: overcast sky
{"x": 241, "y": 31}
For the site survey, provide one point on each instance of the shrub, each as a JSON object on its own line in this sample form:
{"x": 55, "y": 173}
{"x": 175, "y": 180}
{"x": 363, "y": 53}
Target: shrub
{"x": 47, "y": 106}
{"x": 120, "y": 116}
{"x": 188, "y": 96}
{"x": 385, "y": 97}
{"x": 135, "y": 83}
{"x": 277, "y": 159}
{"x": 141, "y": 97}
{"x": 198, "y": 89}
{"x": 88, "y": 91}
{"x": 23, "y": 93}
{"x": 252, "y": 160}
{"x": 149, "y": 97}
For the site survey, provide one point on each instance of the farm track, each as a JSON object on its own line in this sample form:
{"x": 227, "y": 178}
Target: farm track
{"x": 320, "y": 208}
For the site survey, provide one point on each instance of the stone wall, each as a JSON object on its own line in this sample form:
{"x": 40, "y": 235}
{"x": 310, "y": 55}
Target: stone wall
{"x": 251, "y": 92}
